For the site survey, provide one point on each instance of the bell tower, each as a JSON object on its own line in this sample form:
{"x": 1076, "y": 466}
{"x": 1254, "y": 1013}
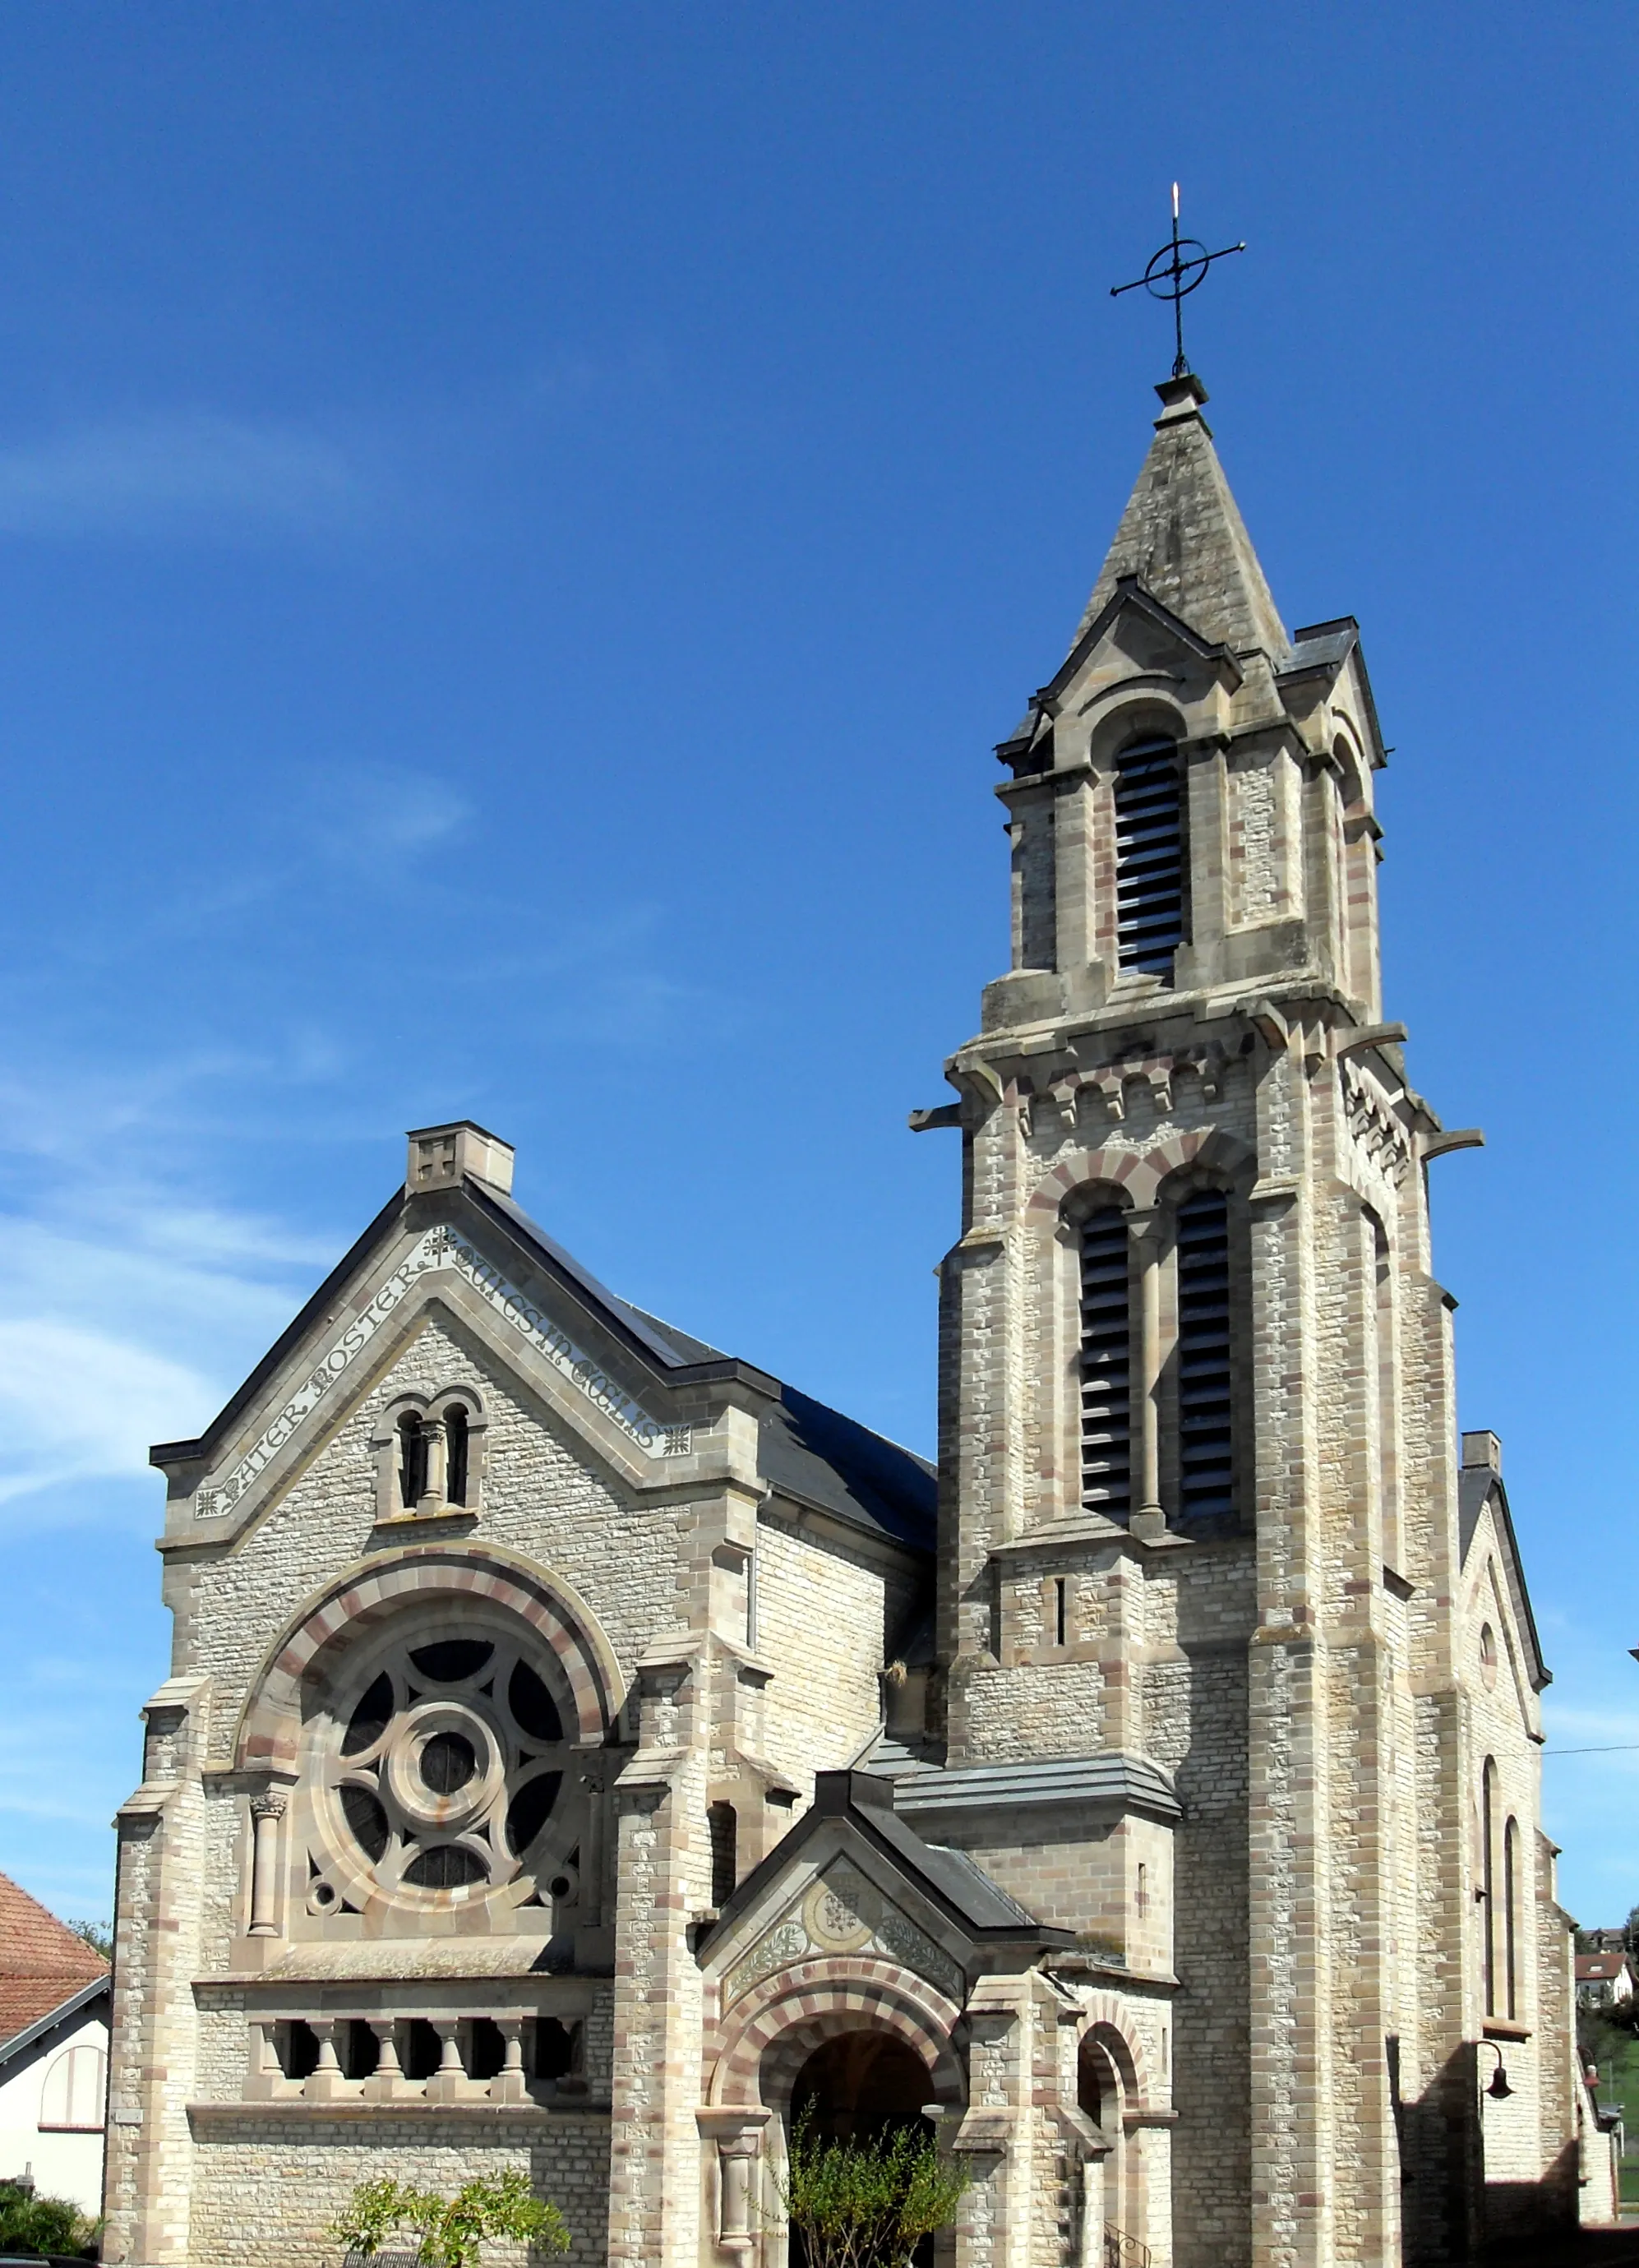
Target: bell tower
{"x": 1200, "y": 1529}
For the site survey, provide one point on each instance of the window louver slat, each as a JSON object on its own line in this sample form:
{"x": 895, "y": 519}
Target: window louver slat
{"x": 1105, "y": 1355}
{"x": 1149, "y": 857}
{"x": 1205, "y": 1415}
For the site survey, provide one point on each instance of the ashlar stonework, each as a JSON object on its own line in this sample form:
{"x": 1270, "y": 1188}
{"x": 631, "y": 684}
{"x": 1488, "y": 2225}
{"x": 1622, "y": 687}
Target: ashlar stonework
{"x": 584, "y": 1751}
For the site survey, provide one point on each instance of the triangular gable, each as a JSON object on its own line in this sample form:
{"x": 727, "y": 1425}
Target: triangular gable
{"x": 852, "y": 1878}
{"x": 633, "y": 1390}
{"x": 1481, "y": 1491}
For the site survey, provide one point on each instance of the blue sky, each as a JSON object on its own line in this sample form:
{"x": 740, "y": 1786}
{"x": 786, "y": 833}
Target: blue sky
{"x": 518, "y": 529}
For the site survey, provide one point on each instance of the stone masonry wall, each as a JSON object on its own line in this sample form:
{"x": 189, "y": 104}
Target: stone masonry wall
{"x": 267, "y": 2182}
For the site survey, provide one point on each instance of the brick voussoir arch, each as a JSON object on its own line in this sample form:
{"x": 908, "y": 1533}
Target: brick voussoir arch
{"x": 268, "y": 1732}
{"x": 1140, "y": 1173}
{"x": 799, "y": 2008}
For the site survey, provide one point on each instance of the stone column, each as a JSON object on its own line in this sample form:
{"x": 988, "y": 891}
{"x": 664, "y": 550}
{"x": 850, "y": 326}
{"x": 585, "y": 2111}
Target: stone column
{"x": 737, "y": 2130}
{"x": 266, "y": 1811}
{"x": 325, "y": 2083}
{"x": 1147, "y": 1519}
{"x": 435, "y": 1435}
{"x": 386, "y": 2083}
{"x": 508, "y": 2084}
{"x": 449, "y": 2083}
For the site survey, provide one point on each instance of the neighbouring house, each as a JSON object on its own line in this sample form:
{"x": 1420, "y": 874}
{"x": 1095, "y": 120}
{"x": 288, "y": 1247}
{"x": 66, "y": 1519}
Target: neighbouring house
{"x": 1604, "y": 1980}
{"x": 55, "y": 2008}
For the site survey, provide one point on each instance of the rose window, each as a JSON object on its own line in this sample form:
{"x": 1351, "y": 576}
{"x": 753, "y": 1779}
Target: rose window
{"x": 443, "y": 1766}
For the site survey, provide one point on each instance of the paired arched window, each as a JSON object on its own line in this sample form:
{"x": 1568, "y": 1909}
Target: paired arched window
{"x": 1501, "y": 1887}
{"x": 1150, "y": 856}
{"x": 435, "y": 1456}
{"x": 71, "y": 2099}
{"x": 1114, "y": 1387}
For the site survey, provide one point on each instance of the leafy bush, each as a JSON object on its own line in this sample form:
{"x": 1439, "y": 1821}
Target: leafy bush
{"x": 42, "y": 2224}
{"x": 867, "y": 2203}
{"x": 450, "y": 2232}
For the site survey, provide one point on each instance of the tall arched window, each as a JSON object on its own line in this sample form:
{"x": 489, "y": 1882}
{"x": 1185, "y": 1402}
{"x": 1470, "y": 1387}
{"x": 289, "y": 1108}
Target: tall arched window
{"x": 1488, "y": 1879}
{"x": 1105, "y": 1365}
{"x": 1150, "y": 855}
{"x": 456, "y": 1447}
{"x": 411, "y": 1460}
{"x": 1206, "y": 1432}
{"x": 1510, "y": 1917}
{"x": 1384, "y": 1385}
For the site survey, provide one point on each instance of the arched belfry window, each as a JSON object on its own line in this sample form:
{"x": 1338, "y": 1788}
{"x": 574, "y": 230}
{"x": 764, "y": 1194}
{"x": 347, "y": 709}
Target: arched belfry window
{"x": 1206, "y": 1431}
{"x": 1150, "y": 855}
{"x": 1105, "y": 1364}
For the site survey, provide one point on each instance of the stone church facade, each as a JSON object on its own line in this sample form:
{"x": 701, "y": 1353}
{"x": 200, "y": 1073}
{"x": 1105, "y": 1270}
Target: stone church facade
{"x": 582, "y": 1747}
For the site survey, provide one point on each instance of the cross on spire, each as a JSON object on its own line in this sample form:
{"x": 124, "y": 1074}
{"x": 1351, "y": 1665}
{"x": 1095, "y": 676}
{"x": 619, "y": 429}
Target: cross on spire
{"x": 1176, "y": 270}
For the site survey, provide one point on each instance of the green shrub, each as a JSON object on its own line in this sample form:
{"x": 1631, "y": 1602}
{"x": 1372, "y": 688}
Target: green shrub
{"x": 43, "y": 2224}
{"x": 867, "y": 2203}
{"x": 450, "y": 2232}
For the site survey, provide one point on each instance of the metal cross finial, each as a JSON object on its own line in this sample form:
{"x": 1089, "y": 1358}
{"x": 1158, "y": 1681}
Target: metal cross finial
{"x": 1172, "y": 274}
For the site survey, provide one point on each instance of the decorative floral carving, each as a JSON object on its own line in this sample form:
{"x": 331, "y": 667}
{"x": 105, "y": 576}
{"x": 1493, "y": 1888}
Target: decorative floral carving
{"x": 843, "y": 1913}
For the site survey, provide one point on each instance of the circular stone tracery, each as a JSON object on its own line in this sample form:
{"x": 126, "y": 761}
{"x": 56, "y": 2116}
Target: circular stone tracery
{"x": 442, "y": 1765}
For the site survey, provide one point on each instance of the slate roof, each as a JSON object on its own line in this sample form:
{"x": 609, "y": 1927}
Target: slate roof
{"x": 1475, "y": 1486}
{"x": 813, "y": 1453}
{"x": 42, "y": 1963}
{"x": 950, "y": 1878}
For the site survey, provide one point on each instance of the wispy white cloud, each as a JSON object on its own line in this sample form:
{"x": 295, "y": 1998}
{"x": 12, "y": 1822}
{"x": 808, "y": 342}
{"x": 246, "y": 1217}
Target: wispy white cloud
{"x": 183, "y": 473}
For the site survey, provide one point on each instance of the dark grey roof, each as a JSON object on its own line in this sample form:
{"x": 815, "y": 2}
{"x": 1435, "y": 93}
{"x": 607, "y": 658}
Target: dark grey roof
{"x": 821, "y": 1458}
{"x": 814, "y": 1454}
{"x": 676, "y": 1350}
{"x": 1476, "y": 1485}
{"x": 949, "y": 1879}
{"x": 1114, "y": 1776}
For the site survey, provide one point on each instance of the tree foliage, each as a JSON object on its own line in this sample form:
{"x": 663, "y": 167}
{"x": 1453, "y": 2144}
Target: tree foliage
{"x": 866, "y": 2204}
{"x": 450, "y": 2232}
{"x": 43, "y": 2224}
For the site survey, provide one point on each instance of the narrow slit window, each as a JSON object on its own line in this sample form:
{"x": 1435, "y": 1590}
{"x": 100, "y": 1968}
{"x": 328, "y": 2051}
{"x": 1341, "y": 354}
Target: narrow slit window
{"x": 1061, "y": 1609}
{"x": 1206, "y": 1444}
{"x": 1150, "y": 856}
{"x": 1105, "y": 1365}
{"x": 722, "y": 1833}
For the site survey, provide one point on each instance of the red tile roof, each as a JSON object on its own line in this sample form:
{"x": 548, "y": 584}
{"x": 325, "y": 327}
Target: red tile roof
{"x": 42, "y": 1963}
{"x": 1597, "y": 1968}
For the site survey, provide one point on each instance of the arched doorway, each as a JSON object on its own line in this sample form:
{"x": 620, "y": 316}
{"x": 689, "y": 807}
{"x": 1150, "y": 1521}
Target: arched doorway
{"x": 858, "y": 2087}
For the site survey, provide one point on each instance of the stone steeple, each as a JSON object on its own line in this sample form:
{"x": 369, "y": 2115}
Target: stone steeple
{"x": 1183, "y": 538}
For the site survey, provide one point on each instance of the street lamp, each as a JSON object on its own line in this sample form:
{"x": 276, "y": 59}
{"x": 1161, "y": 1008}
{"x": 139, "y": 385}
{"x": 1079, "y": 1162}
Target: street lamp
{"x": 1498, "y": 2087}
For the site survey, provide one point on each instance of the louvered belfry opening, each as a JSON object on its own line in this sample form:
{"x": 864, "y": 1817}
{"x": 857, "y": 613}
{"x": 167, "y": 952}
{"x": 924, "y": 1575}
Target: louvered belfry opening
{"x": 1205, "y": 1412}
{"x": 1105, "y": 1364}
{"x": 1150, "y": 856}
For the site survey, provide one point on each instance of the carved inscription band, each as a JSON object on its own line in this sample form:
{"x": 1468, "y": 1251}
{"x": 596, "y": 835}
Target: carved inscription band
{"x": 442, "y": 1247}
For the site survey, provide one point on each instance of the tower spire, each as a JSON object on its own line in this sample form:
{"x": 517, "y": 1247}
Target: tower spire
{"x": 1182, "y": 535}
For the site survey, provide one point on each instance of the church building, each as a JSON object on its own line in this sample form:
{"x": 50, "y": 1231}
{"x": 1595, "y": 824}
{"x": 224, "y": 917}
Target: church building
{"x": 583, "y": 1750}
